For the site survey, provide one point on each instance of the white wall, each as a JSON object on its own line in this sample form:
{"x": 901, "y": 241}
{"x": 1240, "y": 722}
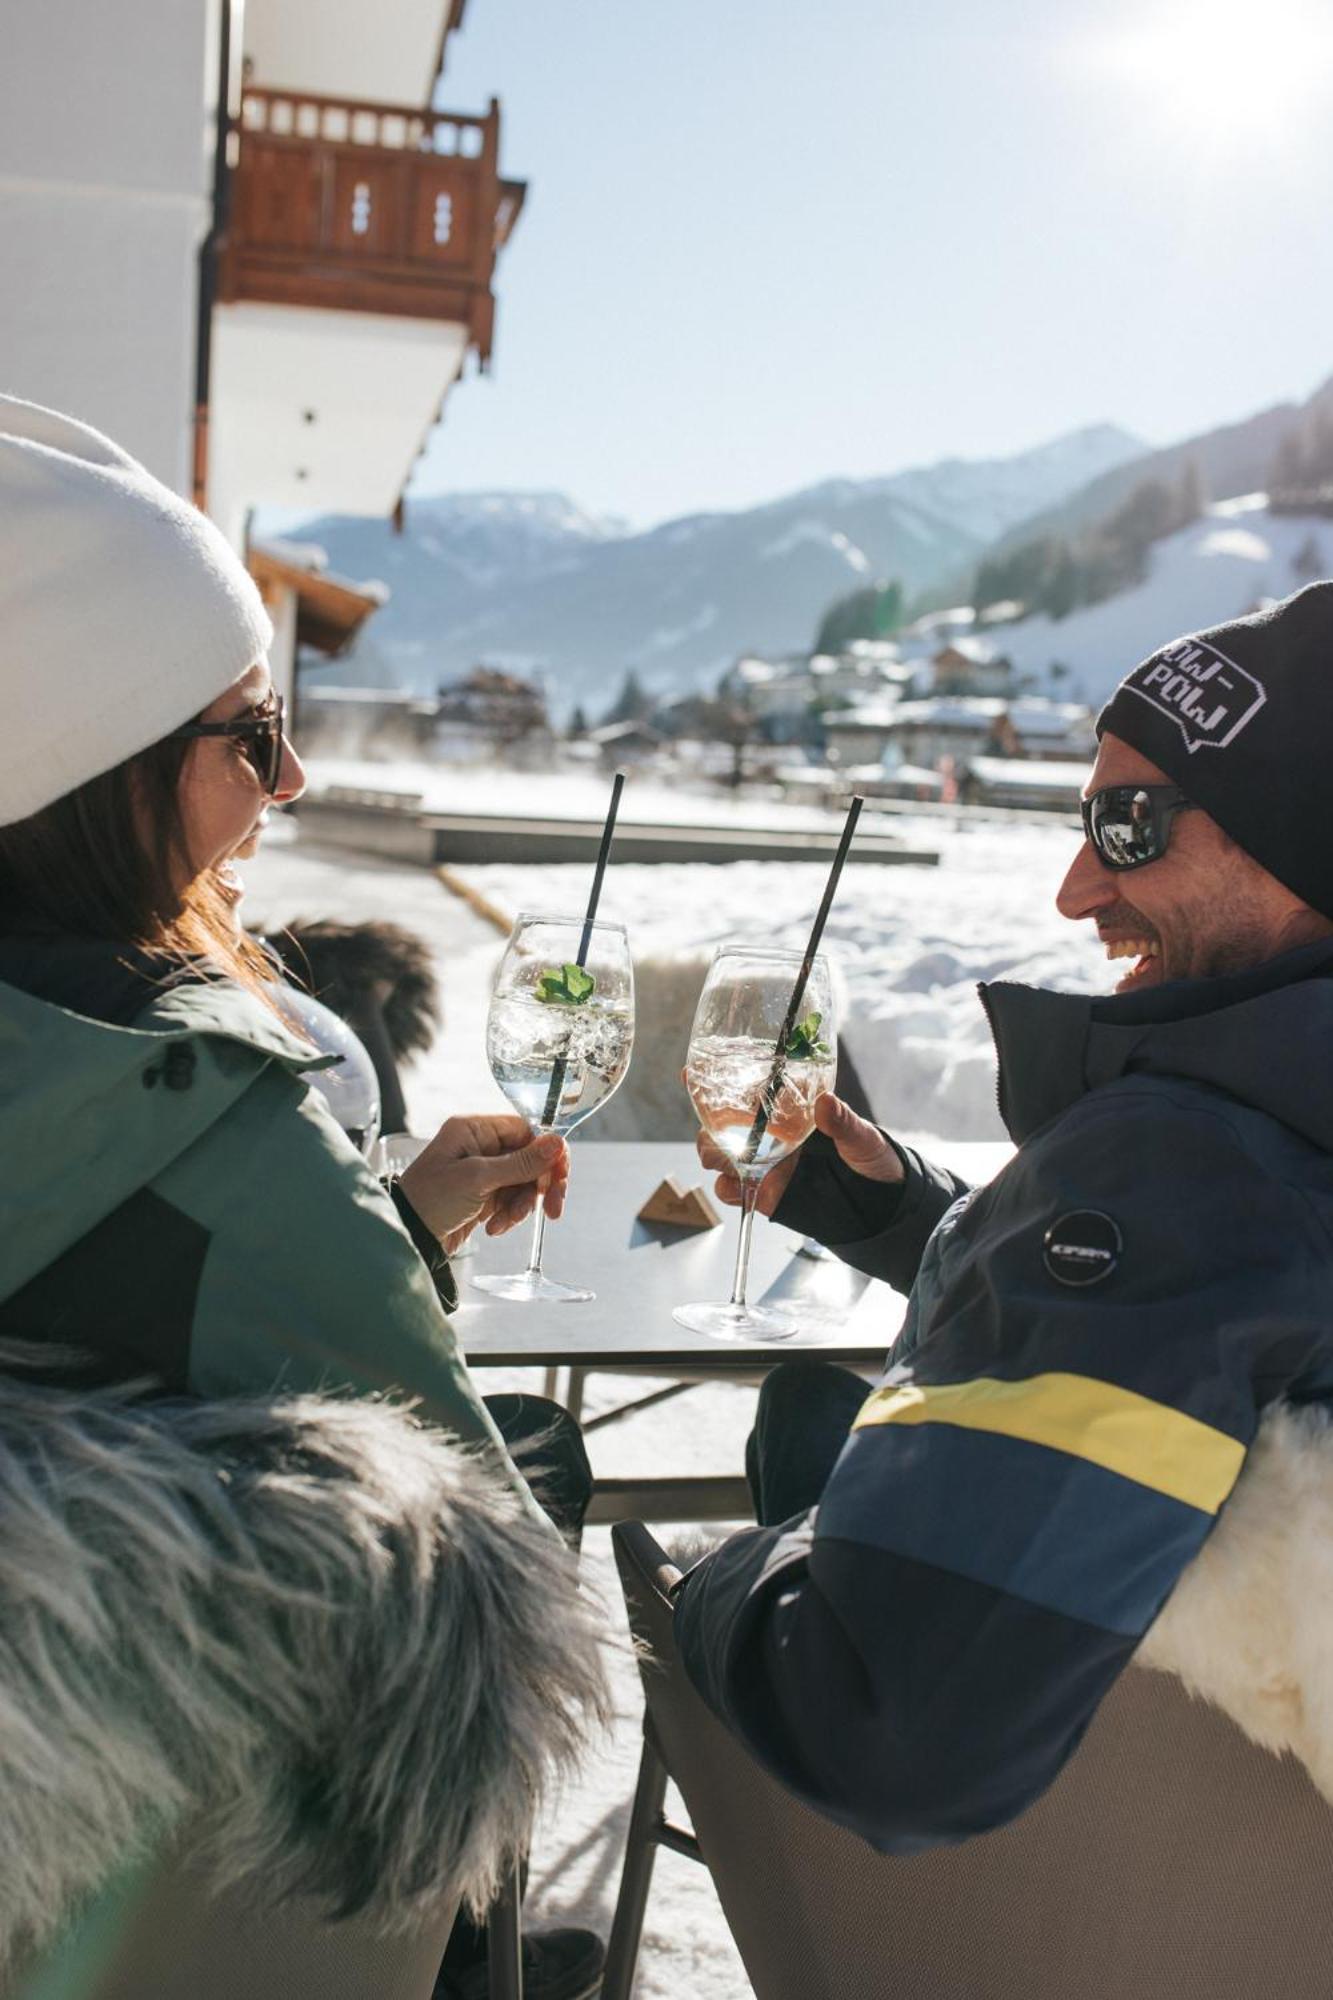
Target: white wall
{"x": 105, "y": 174}
{"x": 283, "y": 609}
{"x": 379, "y": 49}
{"x": 322, "y": 411}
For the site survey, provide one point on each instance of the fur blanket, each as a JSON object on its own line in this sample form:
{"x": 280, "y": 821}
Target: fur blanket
{"x": 652, "y": 1102}
{"x": 322, "y": 1637}
{"x": 1249, "y": 1626}
{"x": 347, "y": 965}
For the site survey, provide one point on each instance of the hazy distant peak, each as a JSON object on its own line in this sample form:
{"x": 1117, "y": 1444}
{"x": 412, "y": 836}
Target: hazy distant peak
{"x": 555, "y": 514}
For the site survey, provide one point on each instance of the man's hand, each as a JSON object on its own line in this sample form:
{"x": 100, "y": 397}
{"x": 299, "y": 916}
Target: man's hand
{"x": 488, "y": 1170}
{"x": 860, "y": 1145}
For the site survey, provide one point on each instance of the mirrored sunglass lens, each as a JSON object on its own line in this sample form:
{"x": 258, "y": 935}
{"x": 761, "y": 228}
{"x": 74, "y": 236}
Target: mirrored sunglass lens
{"x": 1124, "y": 829}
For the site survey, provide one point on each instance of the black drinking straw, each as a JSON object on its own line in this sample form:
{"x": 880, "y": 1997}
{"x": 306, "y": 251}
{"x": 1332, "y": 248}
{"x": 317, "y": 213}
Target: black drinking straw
{"x": 585, "y": 942}
{"x": 774, "y": 1084}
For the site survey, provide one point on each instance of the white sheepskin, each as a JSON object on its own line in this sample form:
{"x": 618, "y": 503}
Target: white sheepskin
{"x": 1249, "y": 1626}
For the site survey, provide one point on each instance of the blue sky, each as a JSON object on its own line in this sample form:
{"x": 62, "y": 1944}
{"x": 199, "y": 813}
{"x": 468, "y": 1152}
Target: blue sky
{"x": 767, "y": 244}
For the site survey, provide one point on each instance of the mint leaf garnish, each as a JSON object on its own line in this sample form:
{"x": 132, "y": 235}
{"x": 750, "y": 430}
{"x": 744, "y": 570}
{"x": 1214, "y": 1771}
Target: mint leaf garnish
{"x": 803, "y": 1043}
{"x": 565, "y": 985}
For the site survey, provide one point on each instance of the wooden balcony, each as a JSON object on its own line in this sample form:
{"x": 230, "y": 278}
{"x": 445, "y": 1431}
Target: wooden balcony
{"x": 373, "y": 208}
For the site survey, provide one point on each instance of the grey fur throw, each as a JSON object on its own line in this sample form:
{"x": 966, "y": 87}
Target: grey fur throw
{"x": 347, "y": 965}
{"x": 321, "y": 1637}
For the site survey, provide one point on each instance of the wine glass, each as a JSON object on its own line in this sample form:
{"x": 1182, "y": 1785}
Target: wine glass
{"x": 558, "y": 1040}
{"x": 754, "y": 1098}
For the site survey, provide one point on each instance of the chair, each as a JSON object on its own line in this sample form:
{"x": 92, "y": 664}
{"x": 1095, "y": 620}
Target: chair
{"x": 1171, "y": 1860}
{"x": 164, "y": 1934}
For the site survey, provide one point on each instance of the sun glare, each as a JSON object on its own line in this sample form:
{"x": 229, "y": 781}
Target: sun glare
{"x": 1230, "y": 73}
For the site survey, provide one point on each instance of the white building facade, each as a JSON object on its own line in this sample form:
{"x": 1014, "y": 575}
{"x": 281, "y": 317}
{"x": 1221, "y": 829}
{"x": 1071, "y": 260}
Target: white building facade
{"x": 107, "y": 143}
{"x": 274, "y": 320}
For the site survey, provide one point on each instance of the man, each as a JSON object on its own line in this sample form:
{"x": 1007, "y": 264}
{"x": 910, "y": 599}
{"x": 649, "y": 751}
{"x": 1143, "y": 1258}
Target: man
{"x": 1092, "y": 1338}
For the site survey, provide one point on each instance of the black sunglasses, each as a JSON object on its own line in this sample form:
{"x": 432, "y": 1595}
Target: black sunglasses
{"x": 259, "y": 734}
{"x": 1130, "y": 825}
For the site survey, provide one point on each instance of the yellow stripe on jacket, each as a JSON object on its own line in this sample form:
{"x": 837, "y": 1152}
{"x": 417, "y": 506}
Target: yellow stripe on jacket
{"x": 1147, "y": 1442}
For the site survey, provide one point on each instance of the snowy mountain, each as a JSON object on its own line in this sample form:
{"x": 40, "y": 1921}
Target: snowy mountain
{"x": 990, "y": 496}
{"x": 1230, "y": 460}
{"x": 1222, "y": 565}
{"x": 531, "y": 581}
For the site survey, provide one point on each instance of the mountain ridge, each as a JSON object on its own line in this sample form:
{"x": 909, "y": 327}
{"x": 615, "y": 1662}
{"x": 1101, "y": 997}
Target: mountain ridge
{"x": 534, "y": 582}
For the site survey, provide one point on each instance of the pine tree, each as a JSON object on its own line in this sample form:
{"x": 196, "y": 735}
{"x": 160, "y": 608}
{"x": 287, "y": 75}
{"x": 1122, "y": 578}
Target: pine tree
{"x": 1191, "y": 496}
{"x": 875, "y": 612}
{"x": 1307, "y": 565}
{"x": 1319, "y": 450}
{"x": 632, "y": 704}
{"x": 1287, "y": 471}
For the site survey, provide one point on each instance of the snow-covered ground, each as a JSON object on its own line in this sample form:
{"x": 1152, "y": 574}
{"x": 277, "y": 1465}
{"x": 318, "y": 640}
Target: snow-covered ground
{"x": 911, "y": 943}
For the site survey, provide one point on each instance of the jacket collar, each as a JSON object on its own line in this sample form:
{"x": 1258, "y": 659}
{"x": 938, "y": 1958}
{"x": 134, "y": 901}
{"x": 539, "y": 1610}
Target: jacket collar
{"x": 1262, "y": 1036}
{"x": 219, "y": 1007}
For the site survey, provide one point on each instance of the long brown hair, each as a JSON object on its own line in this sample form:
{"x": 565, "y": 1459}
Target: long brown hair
{"x": 108, "y": 860}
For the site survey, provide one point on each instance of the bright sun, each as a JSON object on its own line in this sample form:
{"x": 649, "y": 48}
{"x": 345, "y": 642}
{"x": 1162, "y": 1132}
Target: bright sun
{"x": 1230, "y": 70}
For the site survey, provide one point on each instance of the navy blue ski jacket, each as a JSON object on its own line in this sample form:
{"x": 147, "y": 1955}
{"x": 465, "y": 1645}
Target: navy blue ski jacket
{"x": 1089, "y": 1344}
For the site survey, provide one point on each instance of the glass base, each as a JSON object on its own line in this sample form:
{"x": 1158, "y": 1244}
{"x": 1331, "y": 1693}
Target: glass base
{"x": 728, "y": 1322}
{"x": 524, "y": 1286}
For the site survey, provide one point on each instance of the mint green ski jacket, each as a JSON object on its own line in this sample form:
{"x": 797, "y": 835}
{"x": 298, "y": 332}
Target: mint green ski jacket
{"x": 176, "y": 1202}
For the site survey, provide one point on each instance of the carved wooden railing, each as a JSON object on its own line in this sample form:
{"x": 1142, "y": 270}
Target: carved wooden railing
{"x": 366, "y": 207}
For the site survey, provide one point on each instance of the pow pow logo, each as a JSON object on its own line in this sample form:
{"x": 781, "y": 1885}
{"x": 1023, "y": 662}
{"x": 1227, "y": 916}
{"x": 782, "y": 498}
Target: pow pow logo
{"x": 1207, "y": 696}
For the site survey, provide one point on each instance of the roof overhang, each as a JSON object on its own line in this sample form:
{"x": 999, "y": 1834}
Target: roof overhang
{"x": 344, "y": 48}
{"x": 329, "y": 610}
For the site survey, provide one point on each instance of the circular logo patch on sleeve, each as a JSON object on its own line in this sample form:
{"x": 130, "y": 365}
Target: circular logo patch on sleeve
{"x": 1082, "y": 1248}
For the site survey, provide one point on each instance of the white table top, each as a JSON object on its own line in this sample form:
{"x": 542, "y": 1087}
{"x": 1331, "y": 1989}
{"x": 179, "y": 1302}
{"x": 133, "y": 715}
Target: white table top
{"x": 640, "y": 1271}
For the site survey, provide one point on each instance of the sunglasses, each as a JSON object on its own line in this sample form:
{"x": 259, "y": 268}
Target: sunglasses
{"x": 1130, "y": 825}
{"x": 259, "y": 734}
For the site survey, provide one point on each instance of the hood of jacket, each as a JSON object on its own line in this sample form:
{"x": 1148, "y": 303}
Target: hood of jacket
{"x": 1262, "y": 1036}
{"x": 93, "y": 1111}
{"x": 319, "y": 1642}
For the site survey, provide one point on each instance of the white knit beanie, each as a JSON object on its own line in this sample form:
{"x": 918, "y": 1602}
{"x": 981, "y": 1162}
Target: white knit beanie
{"x": 123, "y": 610}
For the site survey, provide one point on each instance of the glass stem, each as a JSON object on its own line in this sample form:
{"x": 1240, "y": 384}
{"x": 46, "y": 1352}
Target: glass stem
{"x": 534, "y": 1269}
{"x": 538, "y": 1240}
{"x": 749, "y": 1195}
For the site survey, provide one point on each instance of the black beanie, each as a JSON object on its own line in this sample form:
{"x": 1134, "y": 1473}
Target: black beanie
{"x": 1241, "y": 717}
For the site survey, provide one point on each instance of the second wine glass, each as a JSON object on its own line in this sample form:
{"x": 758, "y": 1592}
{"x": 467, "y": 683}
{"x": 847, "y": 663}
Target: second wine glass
{"x": 558, "y": 1038}
{"x": 753, "y": 1090}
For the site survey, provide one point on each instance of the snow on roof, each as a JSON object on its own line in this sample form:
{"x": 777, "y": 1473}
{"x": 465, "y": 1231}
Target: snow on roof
{"x": 1031, "y": 717}
{"x": 308, "y": 556}
{"x": 1035, "y": 716}
{"x": 309, "y": 559}
{"x": 873, "y": 649}
{"x": 980, "y": 651}
{"x": 1033, "y": 774}
{"x": 623, "y": 732}
{"x": 866, "y": 715}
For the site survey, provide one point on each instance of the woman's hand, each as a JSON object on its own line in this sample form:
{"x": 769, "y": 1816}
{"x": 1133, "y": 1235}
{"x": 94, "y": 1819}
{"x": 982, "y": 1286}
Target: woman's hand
{"x": 488, "y": 1170}
{"x": 861, "y": 1145}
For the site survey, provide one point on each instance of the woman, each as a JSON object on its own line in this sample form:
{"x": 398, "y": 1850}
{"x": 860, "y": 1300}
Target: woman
{"x": 228, "y": 1239}
{"x": 179, "y": 1204}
